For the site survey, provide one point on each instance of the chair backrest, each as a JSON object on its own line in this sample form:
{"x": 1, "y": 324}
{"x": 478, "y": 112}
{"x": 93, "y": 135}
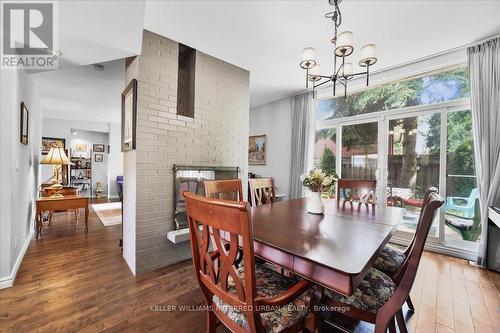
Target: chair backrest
{"x": 355, "y": 185}
{"x": 218, "y": 228}
{"x": 430, "y": 189}
{"x": 226, "y": 189}
{"x": 406, "y": 276}
{"x": 262, "y": 191}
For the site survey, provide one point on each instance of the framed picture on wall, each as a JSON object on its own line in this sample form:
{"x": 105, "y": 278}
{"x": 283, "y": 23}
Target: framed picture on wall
{"x": 81, "y": 148}
{"x": 257, "y": 150}
{"x": 98, "y": 157}
{"x": 98, "y": 148}
{"x": 24, "y": 124}
{"x": 48, "y": 143}
{"x": 129, "y": 116}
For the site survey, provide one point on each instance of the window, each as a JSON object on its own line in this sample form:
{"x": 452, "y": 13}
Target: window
{"x": 462, "y": 208}
{"x": 429, "y": 89}
{"x": 407, "y": 149}
{"x": 325, "y": 147}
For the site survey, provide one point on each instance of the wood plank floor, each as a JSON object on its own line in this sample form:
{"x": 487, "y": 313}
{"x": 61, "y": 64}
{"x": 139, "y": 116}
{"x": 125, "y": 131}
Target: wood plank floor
{"x": 70, "y": 281}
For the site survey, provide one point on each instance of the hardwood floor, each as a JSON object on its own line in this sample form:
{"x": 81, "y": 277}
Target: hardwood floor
{"x": 70, "y": 281}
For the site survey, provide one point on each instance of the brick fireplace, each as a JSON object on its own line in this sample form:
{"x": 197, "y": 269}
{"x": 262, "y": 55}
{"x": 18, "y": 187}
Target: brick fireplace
{"x": 217, "y": 135}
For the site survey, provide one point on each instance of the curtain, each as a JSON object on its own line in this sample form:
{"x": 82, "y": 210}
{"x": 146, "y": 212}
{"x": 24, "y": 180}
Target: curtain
{"x": 484, "y": 73}
{"x": 302, "y": 108}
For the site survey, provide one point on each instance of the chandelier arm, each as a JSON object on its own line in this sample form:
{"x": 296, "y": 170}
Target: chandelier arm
{"x": 342, "y": 82}
{"x": 322, "y": 83}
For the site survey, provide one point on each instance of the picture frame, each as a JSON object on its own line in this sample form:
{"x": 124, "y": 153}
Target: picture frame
{"x": 98, "y": 148}
{"x": 48, "y": 142}
{"x": 129, "y": 116}
{"x": 24, "y": 125}
{"x": 81, "y": 148}
{"x": 257, "y": 146}
{"x": 98, "y": 158}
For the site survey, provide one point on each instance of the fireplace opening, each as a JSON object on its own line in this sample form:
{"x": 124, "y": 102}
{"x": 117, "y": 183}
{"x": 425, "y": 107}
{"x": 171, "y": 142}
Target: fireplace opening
{"x": 191, "y": 178}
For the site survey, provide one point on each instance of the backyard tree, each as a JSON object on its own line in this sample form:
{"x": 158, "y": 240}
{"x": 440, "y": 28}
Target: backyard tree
{"x": 327, "y": 162}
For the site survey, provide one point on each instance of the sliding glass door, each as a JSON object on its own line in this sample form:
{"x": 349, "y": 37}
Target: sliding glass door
{"x": 405, "y": 152}
{"x": 413, "y": 163}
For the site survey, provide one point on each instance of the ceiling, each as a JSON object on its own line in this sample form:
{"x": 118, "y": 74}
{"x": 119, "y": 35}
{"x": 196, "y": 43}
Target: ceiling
{"x": 267, "y": 37}
{"x": 83, "y": 93}
{"x": 264, "y": 37}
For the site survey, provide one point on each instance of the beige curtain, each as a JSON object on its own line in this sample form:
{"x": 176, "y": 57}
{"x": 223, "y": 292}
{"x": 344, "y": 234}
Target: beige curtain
{"x": 302, "y": 108}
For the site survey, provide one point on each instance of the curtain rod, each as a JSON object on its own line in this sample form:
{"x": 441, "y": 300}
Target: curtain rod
{"x": 416, "y": 60}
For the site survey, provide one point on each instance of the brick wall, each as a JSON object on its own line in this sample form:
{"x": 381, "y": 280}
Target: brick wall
{"x": 217, "y": 135}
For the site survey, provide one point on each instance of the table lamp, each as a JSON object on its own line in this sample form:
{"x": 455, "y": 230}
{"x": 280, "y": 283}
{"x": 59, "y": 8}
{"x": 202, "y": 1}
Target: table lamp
{"x": 58, "y": 158}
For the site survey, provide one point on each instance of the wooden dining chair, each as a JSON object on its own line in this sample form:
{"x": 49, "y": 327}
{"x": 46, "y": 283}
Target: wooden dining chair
{"x": 378, "y": 299}
{"x": 356, "y": 187}
{"x": 246, "y": 298}
{"x": 227, "y": 189}
{"x": 390, "y": 259}
{"x": 262, "y": 191}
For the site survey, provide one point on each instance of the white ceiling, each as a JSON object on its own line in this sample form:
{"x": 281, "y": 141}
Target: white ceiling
{"x": 83, "y": 93}
{"x": 264, "y": 37}
{"x": 94, "y": 31}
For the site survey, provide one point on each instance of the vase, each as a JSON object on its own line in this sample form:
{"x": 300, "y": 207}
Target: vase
{"x": 315, "y": 204}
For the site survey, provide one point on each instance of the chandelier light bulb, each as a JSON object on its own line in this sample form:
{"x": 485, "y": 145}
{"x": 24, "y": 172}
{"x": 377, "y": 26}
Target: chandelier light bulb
{"x": 368, "y": 55}
{"x": 308, "y": 58}
{"x": 345, "y": 44}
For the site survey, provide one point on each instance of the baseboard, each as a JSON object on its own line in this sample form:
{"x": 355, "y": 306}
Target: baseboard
{"x": 8, "y": 281}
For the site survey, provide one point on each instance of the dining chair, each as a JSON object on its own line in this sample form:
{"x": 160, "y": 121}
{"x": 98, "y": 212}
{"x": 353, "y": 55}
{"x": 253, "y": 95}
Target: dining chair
{"x": 390, "y": 259}
{"x": 227, "y": 189}
{"x": 247, "y": 297}
{"x": 356, "y": 188}
{"x": 378, "y": 299}
{"x": 262, "y": 191}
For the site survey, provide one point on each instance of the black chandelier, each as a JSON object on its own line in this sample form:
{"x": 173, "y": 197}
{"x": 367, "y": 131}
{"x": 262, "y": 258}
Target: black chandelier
{"x": 343, "y": 47}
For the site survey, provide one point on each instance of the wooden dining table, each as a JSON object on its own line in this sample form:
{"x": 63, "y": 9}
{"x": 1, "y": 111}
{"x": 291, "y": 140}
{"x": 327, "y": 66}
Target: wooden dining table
{"x": 334, "y": 250}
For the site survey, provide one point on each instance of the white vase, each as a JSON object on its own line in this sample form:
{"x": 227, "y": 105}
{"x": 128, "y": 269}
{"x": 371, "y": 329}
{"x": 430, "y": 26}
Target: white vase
{"x": 315, "y": 204}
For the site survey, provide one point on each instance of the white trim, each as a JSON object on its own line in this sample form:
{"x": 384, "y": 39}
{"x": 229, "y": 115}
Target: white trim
{"x": 8, "y": 281}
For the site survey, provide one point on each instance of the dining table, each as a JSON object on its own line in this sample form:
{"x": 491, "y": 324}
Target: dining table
{"x": 334, "y": 250}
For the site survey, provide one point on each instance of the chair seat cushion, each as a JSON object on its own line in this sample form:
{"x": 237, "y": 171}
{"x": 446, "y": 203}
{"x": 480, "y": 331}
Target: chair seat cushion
{"x": 270, "y": 283}
{"x": 389, "y": 260}
{"x": 372, "y": 292}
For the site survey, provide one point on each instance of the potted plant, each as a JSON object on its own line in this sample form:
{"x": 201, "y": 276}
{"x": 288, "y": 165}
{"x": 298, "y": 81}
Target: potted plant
{"x": 317, "y": 182}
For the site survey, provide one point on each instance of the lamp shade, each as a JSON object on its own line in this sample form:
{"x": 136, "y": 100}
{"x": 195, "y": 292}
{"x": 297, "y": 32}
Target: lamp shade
{"x": 56, "y": 156}
{"x": 344, "y": 45}
{"x": 314, "y": 73}
{"x": 347, "y": 70}
{"x": 368, "y": 55}
{"x": 308, "y": 59}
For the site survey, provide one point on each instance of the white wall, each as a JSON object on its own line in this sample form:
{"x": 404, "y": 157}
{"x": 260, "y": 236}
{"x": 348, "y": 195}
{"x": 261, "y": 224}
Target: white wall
{"x": 18, "y": 170}
{"x": 89, "y": 133}
{"x": 275, "y": 121}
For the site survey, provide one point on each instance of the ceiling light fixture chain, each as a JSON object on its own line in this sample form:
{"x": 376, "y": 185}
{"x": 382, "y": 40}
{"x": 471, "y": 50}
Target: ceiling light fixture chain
{"x": 336, "y": 17}
{"x": 344, "y": 47}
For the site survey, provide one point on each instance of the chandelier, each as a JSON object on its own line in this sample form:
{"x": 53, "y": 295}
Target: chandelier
{"x": 343, "y": 47}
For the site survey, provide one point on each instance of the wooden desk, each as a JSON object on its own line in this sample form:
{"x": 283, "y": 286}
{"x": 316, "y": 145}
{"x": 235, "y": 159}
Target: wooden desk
{"x": 45, "y": 204}
{"x": 335, "y": 250}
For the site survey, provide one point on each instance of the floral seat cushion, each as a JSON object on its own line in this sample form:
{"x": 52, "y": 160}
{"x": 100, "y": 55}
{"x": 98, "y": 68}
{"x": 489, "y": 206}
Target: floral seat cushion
{"x": 372, "y": 292}
{"x": 269, "y": 283}
{"x": 389, "y": 260}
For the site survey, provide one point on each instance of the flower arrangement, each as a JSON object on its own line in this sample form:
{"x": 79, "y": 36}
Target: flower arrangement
{"x": 318, "y": 181}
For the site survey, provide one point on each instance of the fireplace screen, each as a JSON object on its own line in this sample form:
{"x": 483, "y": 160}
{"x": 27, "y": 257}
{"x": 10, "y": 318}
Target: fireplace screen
{"x": 190, "y": 178}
